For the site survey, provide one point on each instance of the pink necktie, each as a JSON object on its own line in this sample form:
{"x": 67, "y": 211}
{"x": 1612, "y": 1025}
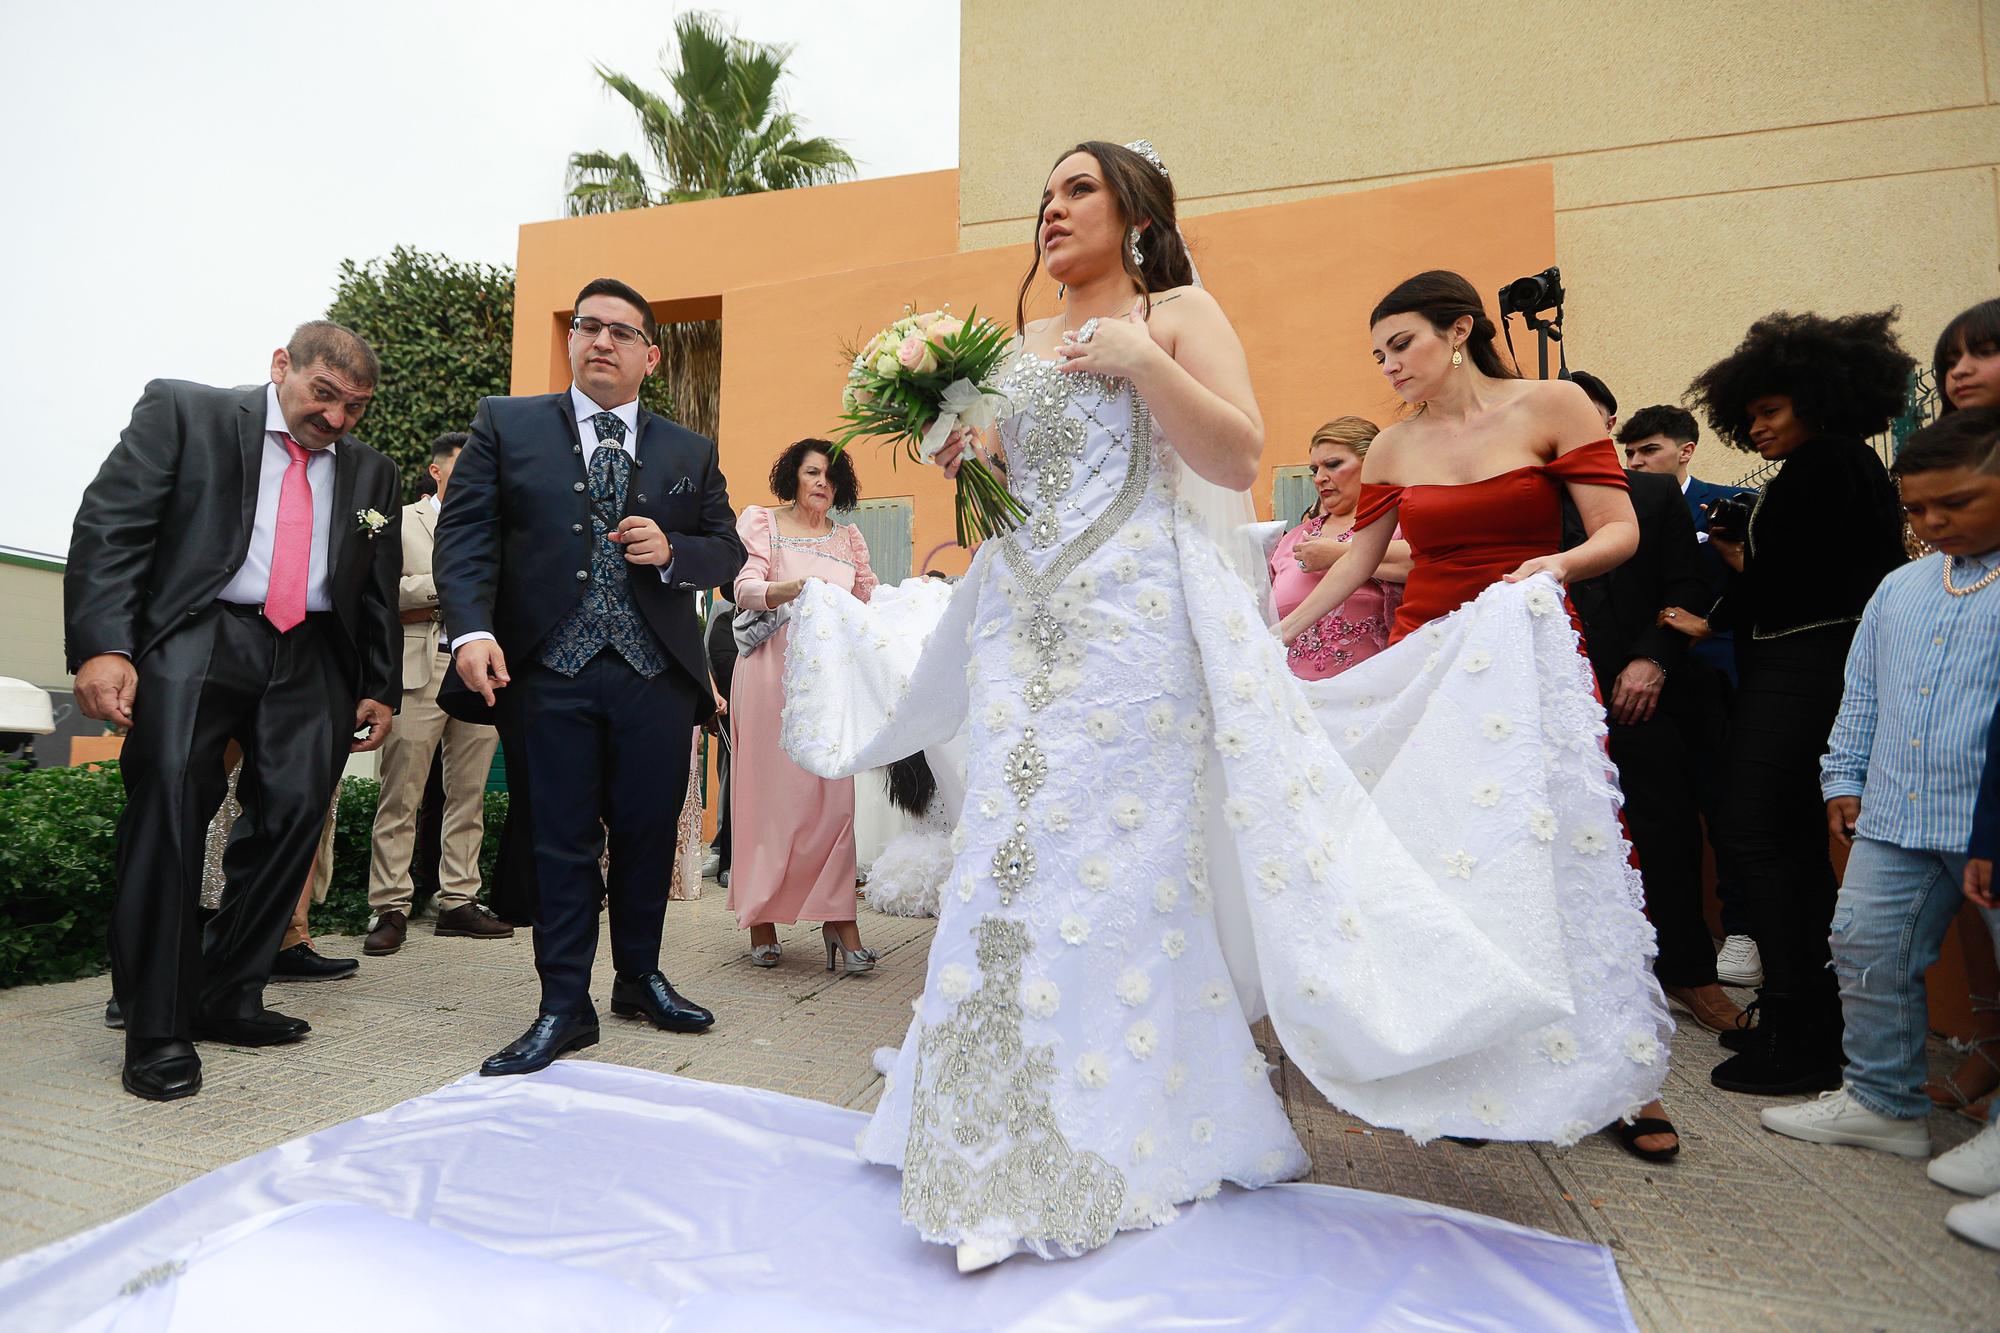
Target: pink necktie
{"x": 291, "y": 547}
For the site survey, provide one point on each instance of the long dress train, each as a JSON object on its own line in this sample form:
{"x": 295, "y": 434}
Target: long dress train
{"x": 1414, "y": 867}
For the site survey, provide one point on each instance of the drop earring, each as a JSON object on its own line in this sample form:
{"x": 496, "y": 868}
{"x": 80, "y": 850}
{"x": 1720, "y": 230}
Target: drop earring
{"x": 1132, "y": 241}
{"x": 1457, "y": 357}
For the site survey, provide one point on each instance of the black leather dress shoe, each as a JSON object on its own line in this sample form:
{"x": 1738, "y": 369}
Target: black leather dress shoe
{"x": 549, "y": 1036}
{"x": 301, "y": 963}
{"x": 114, "y": 1016}
{"x": 163, "y": 1071}
{"x": 651, "y": 998}
{"x": 268, "y": 1028}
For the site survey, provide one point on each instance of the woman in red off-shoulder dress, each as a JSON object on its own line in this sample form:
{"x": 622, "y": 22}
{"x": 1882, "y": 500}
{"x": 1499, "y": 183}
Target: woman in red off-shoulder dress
{"x": 1475, "y": 477}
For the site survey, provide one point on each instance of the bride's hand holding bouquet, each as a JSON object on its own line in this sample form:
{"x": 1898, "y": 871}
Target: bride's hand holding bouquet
{"x": 926, "y": 381}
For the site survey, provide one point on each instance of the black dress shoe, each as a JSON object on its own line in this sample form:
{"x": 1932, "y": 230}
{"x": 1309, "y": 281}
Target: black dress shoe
{"x": 651, "y": 998}
{"x": 300, "y": 963}
{"x": 268, "y": 1028}
{"x": 549, "y": 1036}
{"x": 114, "y": 1017}
{"x": 164, "y": 1072}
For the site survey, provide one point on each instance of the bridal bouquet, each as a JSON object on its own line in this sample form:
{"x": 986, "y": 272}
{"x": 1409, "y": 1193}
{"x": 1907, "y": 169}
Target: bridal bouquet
{"x": 918, "y": 380}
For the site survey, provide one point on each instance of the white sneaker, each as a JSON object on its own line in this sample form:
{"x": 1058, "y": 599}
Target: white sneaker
{"x": 1978, "y": 1222}
{"x": 1973, "y": 1167}
{"x": 1739, "y": 963}
{"x": 1835, "y": 1117}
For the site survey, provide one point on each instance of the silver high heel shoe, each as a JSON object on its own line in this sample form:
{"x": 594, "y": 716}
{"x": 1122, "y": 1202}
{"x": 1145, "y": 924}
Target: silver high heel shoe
{"x": 764, "y": 955}
{"x": 852, "y": 962}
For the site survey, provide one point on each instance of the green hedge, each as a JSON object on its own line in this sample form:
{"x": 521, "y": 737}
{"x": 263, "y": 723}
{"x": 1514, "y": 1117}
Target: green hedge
{"x": 58, "y": 858}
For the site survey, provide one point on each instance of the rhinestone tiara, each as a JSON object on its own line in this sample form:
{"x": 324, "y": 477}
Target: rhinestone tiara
{"x": 1144, "y": 148}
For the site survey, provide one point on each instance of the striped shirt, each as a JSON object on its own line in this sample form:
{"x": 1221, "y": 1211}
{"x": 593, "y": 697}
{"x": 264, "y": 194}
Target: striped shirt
{"x": 1922, "y": 680}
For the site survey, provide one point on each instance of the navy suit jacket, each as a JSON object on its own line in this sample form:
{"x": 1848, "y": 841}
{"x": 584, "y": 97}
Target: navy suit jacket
{"x": 513, "y": 539}
{"x": 1986, "y": 810}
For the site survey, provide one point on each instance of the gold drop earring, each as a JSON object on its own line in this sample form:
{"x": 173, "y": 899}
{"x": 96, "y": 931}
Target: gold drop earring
{"x": 1457, "y": 357}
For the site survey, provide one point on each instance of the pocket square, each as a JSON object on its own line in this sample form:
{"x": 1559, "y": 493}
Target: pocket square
{"x": 685, "y": 486}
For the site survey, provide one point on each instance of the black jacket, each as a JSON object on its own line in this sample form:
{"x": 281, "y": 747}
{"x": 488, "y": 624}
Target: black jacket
{"x": 167, "y": 523}
{"x": 515, "y": 531}
{"x": 1620, "y": 609}
{"x": 1825, "y": 531}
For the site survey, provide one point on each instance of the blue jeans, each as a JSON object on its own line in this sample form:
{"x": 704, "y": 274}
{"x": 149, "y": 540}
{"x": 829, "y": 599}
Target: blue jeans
{"x": 1890, "y": 920}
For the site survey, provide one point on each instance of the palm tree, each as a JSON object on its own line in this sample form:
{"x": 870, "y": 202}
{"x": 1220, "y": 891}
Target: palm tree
{"x": 719, "y": 130}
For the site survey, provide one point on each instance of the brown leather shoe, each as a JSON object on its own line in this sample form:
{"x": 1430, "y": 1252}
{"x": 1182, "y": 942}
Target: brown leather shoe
{"x": 1708, "y": 1005}
{"x": 473, "y": 922}
{"x": 390, "y": 930}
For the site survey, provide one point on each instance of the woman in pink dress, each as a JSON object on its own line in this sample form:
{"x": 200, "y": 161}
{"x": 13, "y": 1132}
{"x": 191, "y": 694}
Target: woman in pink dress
{"x": 1358, "y": 628}
{"x": 792, "y": 834}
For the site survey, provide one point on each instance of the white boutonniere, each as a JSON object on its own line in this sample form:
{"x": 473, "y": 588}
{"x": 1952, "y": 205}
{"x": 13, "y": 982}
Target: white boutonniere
{"x": 370, "y": 521}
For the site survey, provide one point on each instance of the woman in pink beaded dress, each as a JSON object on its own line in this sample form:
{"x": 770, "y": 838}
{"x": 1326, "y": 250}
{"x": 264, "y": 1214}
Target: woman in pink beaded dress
{"x": 792, "y": 834}
{"x": 1358, "y": 628}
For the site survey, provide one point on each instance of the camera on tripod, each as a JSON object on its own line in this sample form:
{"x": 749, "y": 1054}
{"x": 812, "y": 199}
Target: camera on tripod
{"x": 1528, "y": 297}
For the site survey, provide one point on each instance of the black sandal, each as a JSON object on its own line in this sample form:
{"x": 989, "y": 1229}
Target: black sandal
{"x": 1629, "y": 1132}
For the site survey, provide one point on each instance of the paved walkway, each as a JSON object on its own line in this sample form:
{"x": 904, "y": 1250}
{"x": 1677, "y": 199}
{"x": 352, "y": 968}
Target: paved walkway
{"x": 1746, "y": 1230}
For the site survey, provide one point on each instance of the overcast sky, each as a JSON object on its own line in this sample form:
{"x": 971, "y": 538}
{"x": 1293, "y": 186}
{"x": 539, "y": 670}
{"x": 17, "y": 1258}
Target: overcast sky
{"x": 183, "y": 179}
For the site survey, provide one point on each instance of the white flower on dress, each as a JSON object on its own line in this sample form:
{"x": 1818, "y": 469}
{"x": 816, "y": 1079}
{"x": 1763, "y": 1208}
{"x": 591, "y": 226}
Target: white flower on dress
{"x": 1066, "y": 601}
{"x": 1641, "y": 1048}
{"x": 1316, "y": 779}
{"x": 1095, "y": 872}
{"x": 1166, "y": 895}
{"x": 1487, "y": 793}
{"x": 1138, "y": 536}
{"x": 1542, "y": 823}
{"x": 1478, "y": 661}
{"x": 998, "y": 714}
{"x": 1201, "y": 899}
{"x": 1125, "y": 567}
{"x": 1271, "y": 1163}
{"x": 1254, "y": 1067}
{"x": 1354, "y": 735}
{"x": 1236, "y": 811}
{"x": 1489, "y": 1108}
{"x": 1230, "y": 742}
{"x": 1244, "y": 686}
{"x": 1115, "y": 630}
{"x": 1023, "y": 661}
{"x": 1128, "y": 812}
{"x": 1174, "y": 943}
{"x": 1459, "y": 865}
{"x": 954, "y": 981}
{"x": 1142, "y": 1145}
{"x": 1560, "y": 1046}
{"x": 1057, "y": 817}
{"x": 1431, "y": 662}
{"x": 1318, "y": 864}
{"x": 1272, "y": 876}
{"x": 1041, "y": 999}
{"x": 1142, "y": 1039}
{"x": 1541, "y": 600}
{"x": 1209, "y": 1191}
{"x": 1238, "y": 626}
{"x": 1215, "y": 995}
{"x": 1153, "y": 603}
{"x": 971, "y": 672}
{"x": 1103, "y": 726}
{"x": 1496, "y": 726}
{"x": 1093, "y": 1070}
{"x": 1302, "y": 718}
{"x": 989, "y": 807}
{"x": 1071, "y": 651}
{"x": 966, "y": 887}
{"x": 1194, "y": 728}
{"x": 1313, "y": 990}
{"x": 1589, "y": 841}
{"x": 1134, "y": 987}
{"x": 1065, "y": 680}
{"x": 1160, "y": 720}
{"x": 1074, "y": 929}
{"x": 1202, "y": 1130}
{"x": 823, "y": 632}
{"x": 1348, "y": 922}
{"x": 1295, "y": 793}
{"x": 1572, "y": 1133}
{"x": 1177, "y": 1073}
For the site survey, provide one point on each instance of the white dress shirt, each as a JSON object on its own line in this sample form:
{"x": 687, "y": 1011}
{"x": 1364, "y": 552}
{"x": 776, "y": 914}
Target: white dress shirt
{"x": 585, "y": 408}
{"x": 252, "y": 584}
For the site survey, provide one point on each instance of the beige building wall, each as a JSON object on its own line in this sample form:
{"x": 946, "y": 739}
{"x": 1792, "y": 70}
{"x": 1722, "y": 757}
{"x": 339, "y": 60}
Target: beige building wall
{"x": 1713, "y": 161}
{"x": 31, "y": 610}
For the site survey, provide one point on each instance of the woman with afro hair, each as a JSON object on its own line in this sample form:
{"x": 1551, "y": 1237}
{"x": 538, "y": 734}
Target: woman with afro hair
{"x": 1805, "y": 392}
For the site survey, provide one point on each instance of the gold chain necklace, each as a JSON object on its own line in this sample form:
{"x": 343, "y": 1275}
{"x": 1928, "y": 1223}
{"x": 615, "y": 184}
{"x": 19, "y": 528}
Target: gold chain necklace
{"x": 1991, "y": 574}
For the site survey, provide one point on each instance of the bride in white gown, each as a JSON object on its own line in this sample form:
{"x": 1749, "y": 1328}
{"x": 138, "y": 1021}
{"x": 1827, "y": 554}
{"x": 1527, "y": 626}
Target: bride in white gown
{"x": 1414, "y": 869}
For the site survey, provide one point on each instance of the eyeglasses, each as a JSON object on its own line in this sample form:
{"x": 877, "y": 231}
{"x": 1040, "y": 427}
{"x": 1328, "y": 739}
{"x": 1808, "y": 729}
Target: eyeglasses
{"x": 622, "y": 334}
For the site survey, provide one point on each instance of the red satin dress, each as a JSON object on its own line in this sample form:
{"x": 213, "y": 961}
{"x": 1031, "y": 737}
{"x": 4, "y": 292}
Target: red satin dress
{"x": 1465, "y": 538}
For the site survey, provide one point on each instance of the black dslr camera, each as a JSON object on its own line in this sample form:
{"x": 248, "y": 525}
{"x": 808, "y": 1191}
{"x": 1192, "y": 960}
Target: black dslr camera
{"x": 1533, "y": 294}
{"x": 1729, "y": 517}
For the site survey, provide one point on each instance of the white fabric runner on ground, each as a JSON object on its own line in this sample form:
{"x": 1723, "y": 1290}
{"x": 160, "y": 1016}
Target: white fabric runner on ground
{"x": 592, "y": 1196}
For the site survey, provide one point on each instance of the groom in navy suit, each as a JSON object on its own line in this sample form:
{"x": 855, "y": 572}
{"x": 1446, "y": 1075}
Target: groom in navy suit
{"x": 576, "y": 532}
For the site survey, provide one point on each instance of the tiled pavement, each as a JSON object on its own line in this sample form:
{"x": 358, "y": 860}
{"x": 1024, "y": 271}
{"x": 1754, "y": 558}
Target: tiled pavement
{"x": 1746, "y": 1230}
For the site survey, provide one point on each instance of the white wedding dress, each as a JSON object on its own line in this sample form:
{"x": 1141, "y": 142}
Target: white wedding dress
{"x": 1416, "y": 867}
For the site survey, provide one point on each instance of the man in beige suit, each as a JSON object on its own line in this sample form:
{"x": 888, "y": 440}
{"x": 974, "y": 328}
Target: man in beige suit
{"x": 406, "y": 759}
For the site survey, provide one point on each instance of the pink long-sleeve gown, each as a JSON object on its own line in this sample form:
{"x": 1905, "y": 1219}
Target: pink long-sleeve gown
{"x": 793, "y": 833}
